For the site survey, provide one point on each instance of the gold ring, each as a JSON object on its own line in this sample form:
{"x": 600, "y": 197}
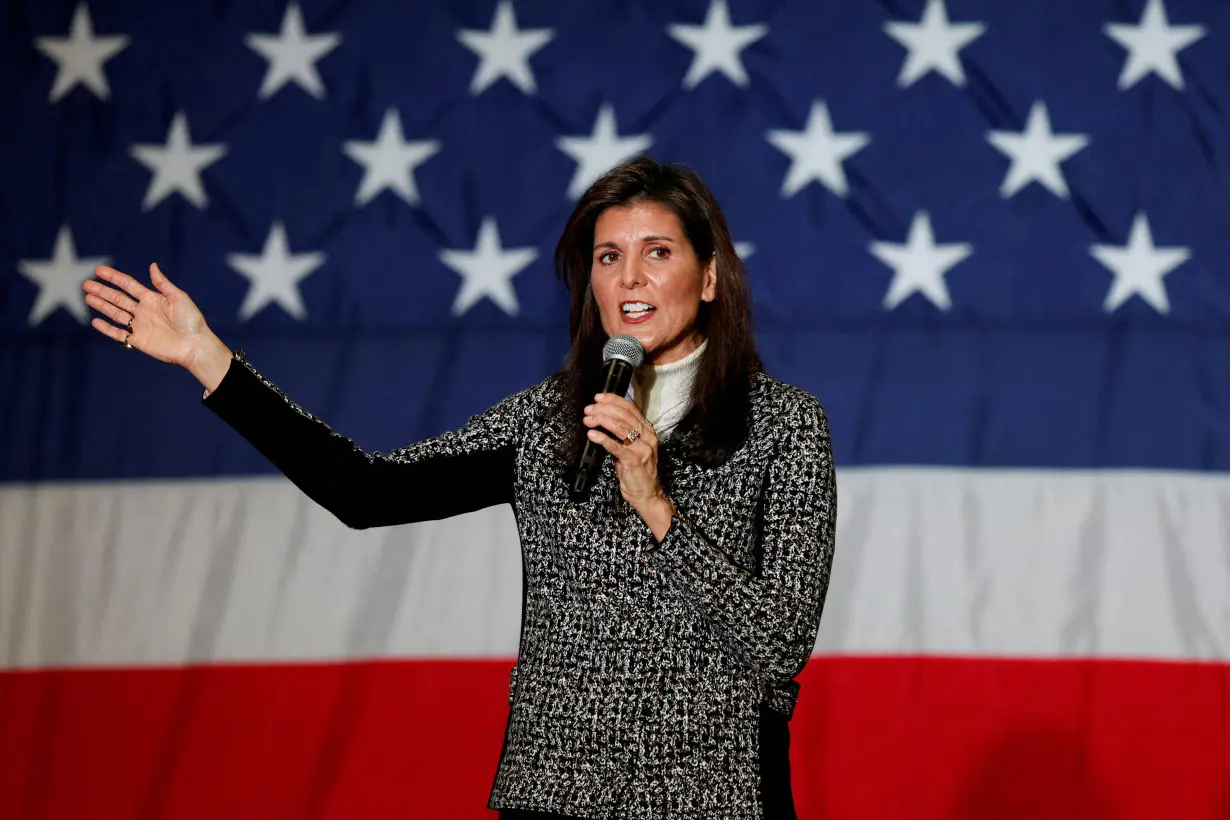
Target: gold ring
{"x": 633, "y": 435}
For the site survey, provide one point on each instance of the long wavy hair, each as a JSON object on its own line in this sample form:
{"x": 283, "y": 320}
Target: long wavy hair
{"x": 716, "y": 425}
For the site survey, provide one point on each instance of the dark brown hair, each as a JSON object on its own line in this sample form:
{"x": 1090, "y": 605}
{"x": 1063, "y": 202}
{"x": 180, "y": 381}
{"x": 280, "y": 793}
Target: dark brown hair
{"x": 716, "y": 426}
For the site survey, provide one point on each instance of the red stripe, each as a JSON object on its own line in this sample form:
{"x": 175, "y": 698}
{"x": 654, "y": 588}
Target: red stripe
{"x": 910, "y": 738}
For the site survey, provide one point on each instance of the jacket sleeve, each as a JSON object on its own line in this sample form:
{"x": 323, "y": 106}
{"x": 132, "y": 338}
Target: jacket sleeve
{"x": 457, "y": 472}
{"x": 771, "y": 617}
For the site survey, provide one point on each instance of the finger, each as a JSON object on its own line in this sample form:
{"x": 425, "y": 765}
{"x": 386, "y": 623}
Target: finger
{"x": 624, "y": 419}
{"x": 619, "y": 406}
{"x": 111, "y": 295}
{"x": 122, "y": 317}
{"x": 122, "y": 280}
{"x": 114, "y": 295}
{"x": 161, "y": 281}
{"x": 603, "y": 417}
{"x": 109, "y": 330}
{"x": 619, "y": 401}
{"x": 606, "y": 432}
{"x": 609, "y": 444}
{"x": 622, "y": 404}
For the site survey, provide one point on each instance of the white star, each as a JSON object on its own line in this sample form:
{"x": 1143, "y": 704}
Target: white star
{"x": 1036, "y": 153}
{"x": 80, "y": 56}
{"x": 487, "y": 270}
{"x": 292, "y": 55}
{"x": 505, "y": 50}
{"x": 817, "y": 152}
{"x": 600, "y": 151}
{"x": 919, "y": 265}
{"x": 934, "y": 44}
{"x": 389, "y": 162}
{"x": 59, "y": 279}
{"x": 716, "y": 44}
{"x": 177, "y": 165}
{"x": 1139, "y": 267}
{"x": 1153, "y": 45}
{"x": 274, "y": 276}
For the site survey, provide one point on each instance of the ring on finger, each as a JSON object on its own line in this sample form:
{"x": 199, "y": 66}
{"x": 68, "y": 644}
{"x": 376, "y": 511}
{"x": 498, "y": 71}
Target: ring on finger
{"x": 633, "y": 435}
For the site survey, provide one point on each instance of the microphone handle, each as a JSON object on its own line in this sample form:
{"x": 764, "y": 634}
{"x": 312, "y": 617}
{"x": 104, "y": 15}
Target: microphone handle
{"x": 616, "y": 379}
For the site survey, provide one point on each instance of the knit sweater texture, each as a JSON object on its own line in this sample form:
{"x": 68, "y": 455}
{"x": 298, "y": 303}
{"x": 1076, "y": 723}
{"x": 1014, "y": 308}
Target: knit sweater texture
{"x": 642, "y": 665}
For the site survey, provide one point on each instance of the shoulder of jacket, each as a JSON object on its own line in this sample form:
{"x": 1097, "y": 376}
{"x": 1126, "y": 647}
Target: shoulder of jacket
{"x": 780, "y": 404}
{"x": 535, "y": 398}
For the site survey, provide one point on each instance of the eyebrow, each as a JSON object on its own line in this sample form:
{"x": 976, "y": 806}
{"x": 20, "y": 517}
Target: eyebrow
{"x": 651, "y": 238}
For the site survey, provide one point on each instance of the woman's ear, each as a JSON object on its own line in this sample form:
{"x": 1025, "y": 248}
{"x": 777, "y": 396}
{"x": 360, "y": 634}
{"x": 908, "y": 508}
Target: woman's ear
{"x": 709, "y": 292}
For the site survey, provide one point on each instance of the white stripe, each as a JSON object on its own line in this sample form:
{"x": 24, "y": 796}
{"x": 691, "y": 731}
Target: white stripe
{"x": 1031, "y": 563}
{"x": 970, "y": 562}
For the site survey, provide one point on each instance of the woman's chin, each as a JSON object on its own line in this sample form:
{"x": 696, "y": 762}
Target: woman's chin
{"x": 642, "y": 335}
{"x": 648, "y": 343}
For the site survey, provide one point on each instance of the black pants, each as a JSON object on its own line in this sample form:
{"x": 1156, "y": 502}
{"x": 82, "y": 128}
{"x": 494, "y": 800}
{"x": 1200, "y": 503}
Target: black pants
{"x": 774, "y": 774}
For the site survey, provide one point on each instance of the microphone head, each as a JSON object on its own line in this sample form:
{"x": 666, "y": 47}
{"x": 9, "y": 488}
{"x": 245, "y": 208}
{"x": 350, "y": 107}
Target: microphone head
{"x": 623, "y": 347}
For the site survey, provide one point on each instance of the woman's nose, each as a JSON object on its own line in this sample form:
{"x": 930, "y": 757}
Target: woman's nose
{"x": 632, "y": 273}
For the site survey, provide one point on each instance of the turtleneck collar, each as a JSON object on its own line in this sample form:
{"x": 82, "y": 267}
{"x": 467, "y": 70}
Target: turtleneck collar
{"x": 664, "y": 392}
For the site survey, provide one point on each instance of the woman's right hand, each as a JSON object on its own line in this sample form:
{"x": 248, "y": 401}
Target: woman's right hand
{"x": 164, "y": 323}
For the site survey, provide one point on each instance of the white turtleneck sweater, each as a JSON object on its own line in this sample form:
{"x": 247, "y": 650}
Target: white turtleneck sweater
{"x": 664, "y": 392}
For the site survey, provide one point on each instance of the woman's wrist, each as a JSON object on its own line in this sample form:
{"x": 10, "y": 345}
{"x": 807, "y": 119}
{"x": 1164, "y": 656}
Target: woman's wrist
{"x": 210, "y": 362}
{"x": 657, "y": 512}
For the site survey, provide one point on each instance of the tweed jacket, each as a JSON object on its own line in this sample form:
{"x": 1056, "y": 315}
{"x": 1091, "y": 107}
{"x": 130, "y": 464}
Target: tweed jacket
{"x": 642, "y": 665}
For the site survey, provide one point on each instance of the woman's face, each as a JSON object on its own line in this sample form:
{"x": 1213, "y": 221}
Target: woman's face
{"x": 647, "y": 280}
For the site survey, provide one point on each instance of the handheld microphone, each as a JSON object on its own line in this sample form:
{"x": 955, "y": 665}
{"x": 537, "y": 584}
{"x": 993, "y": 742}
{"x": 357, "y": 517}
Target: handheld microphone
{"x": 621, "y": 355}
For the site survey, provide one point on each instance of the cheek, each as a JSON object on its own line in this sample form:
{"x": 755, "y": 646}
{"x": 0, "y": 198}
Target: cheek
{"x": 684, "y": 283}
{"x": 607, "y": 302}
{"x": 679, "y": 315}
{"x": 682, "y": 293}
{"x": 600, "y": 292}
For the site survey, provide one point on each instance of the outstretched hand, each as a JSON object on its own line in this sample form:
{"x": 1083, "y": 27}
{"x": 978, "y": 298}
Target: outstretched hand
{"x": 636, "y": 457}
{"x": 164, "y": 323}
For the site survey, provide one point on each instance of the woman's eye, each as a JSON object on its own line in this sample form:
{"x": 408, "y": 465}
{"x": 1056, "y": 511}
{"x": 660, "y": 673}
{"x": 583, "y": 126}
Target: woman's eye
{"x": 607, "y": 258}
{"x": 664, "y": 252}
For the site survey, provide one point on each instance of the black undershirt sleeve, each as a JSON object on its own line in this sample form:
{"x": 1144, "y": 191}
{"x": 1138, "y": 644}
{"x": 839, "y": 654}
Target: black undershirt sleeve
{"x": 457, "y": 472}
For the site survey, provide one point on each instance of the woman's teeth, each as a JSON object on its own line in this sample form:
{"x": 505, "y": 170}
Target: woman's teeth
{"x": 635, "y": 310}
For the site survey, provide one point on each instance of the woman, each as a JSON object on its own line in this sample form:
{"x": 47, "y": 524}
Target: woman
{"x": 665, "y": 615}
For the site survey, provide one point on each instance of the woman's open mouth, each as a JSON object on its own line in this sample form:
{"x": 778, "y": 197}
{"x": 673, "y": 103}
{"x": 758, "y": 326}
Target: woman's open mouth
{"x": 634, "y": 312}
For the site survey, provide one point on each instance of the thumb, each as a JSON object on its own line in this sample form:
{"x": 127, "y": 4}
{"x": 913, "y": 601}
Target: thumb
{"x": 161, "y": 281}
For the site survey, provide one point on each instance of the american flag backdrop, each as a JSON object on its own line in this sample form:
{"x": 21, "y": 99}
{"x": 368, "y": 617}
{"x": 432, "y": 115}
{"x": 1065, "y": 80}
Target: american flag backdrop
{"x": 991, "y": 237}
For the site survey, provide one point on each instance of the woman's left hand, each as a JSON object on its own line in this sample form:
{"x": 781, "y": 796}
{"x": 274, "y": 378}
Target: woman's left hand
{"x": 636, "y": 461}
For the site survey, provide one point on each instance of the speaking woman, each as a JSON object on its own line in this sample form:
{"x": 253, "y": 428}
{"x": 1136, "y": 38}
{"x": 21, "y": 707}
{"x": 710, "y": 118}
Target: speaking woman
{"x": 666, "y": 614}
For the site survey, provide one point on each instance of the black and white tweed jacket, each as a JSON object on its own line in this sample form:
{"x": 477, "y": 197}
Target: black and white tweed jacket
{"x": 642, "y": 666}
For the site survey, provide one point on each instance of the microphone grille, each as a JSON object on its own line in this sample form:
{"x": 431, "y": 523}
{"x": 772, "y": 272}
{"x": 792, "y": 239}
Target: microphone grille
{"x": 623, "y": 347}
